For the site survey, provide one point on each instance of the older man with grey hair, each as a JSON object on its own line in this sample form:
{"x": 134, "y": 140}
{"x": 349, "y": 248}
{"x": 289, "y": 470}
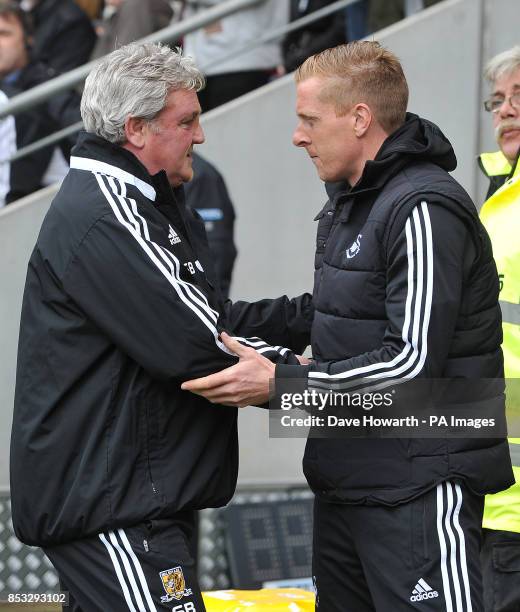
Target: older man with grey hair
{"x": 501, "y": 216}
{"x": 109, "y": 457}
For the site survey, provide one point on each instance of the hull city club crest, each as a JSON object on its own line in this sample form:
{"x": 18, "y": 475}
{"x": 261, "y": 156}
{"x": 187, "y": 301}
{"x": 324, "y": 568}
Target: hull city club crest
{"x": 174, "y": 584}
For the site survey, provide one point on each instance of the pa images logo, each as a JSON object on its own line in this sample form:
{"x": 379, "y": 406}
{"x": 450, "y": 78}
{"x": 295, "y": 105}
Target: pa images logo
{"x": 174, "y": 584}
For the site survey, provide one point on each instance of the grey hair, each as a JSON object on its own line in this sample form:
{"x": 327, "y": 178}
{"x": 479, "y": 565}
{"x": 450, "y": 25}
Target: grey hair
{"x": 134, "y": 81}
{"x": 503, "y": 63}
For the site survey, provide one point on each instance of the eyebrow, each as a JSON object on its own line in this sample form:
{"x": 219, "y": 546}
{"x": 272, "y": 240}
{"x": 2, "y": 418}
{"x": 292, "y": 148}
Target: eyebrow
{"x": 190, "y": 117}
{"x": 305, "y": 116}
{"x": 499, "y": 92}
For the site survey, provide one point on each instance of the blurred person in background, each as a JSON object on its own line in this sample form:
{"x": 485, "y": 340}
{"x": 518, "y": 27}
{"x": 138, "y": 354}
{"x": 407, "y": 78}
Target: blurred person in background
{"x": 382, "y": 13}
{"x": 93, "y": 8}
{"x": 321, "y": 34}
{"x": 208, "y": 195}
{"x": 501, "y": 216}
{"x": 356, "y": 20}
{"x": 18, "y": 73}
{"x": 7, "y": 148}
{"x": 62, "y": 38}
{"x": 63, "y": 33}
{"x": 125, "y": 21}
{"x": 230, "y": 78}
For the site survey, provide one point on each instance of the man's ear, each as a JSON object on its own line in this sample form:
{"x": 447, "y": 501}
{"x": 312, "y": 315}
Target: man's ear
{"x": 362, "y": 119}
{"x": 135, "y": 131}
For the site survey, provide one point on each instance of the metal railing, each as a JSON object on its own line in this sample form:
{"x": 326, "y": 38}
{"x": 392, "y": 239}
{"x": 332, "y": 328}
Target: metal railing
{"x": 171, "y": 33}
{"x": 280, "y": 32}
{"x": 69, "y": 80}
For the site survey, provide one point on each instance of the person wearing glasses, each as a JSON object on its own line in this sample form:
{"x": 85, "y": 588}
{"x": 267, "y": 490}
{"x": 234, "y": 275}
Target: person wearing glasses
{"x": 501, "y": 216}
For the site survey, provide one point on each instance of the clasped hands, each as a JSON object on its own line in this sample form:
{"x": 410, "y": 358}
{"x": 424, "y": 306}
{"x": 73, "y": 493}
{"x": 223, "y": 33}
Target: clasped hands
{"x": 244, "y": 384}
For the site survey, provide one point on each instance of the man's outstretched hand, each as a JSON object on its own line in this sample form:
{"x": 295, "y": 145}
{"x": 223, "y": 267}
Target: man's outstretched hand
{"x": 244, "y": 384}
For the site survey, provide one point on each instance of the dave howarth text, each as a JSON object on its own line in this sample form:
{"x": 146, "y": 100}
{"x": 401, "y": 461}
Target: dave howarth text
{"x": 334, "y": 421}
{"x": 315, "y": 399}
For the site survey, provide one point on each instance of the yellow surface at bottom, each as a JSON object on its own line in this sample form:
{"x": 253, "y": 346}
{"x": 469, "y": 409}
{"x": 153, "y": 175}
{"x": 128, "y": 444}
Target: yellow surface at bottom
{"x": 271, "y": 600}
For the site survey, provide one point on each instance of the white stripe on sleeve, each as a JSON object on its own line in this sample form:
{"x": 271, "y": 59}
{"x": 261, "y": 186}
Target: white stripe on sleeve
{"x": 417, "y": 312}
{"x": 203, "y": 316}
{"x": 125, "y": 210}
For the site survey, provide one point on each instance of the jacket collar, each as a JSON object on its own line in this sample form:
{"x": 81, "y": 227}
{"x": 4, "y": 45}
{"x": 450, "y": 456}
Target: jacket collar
{"x": 99, "y": 167}
{"x": 494, "y": 164}
{"x": 417, "y": 140}
{"x": 499, "y": 171}
{"x": 95, "y": 154}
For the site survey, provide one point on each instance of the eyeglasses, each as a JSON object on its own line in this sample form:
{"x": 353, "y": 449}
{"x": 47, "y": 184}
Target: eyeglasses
{"x": 493, "y": 105}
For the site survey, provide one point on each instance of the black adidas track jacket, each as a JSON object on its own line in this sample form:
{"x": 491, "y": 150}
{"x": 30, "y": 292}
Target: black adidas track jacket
{"x": 119, "y": 309}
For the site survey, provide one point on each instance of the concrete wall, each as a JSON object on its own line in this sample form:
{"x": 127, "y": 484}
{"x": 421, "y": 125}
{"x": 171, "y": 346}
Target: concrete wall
{"x": 277, "y": 193}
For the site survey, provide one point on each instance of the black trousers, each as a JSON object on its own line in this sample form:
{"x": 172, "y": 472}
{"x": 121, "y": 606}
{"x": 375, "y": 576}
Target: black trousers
{"x": 142, "y": 568}
{"x": 221, "y": 88}
{"x": 500, "y": 558}
{"x": 420, "y": 555}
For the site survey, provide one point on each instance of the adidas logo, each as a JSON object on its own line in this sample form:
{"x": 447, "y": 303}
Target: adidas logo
{"x": 173, "y": 236}
{"x": 423, "y": 591}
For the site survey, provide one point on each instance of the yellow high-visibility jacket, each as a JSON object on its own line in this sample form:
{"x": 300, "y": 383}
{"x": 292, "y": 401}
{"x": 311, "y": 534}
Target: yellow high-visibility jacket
{"x": 501, "y": 217}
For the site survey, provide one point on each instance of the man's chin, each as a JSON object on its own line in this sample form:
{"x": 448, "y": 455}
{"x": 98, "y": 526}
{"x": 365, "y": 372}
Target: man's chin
{"x": 510, "y": 150}
{"x": 180, "y": 179}
{"x": 323, "y": 175}
{"x": 328, "y": 178}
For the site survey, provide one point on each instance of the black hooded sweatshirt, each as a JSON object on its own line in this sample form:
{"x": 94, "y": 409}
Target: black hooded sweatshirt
{"x": 406, "y": 289}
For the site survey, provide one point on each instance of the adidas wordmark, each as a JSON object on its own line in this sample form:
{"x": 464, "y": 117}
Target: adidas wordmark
{"x": 423, "y": 591}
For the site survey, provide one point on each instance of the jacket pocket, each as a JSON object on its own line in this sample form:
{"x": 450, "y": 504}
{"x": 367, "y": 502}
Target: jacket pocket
{"x": 506, "y": 575}
{"x": 165, "y": 536}
{"x": 150, "y": 445}
{"x": 506, "y": 557}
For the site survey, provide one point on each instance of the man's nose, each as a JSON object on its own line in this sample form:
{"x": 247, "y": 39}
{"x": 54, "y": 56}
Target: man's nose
{"x": 507, "y": 109}
{"x": 299, "y": 138}
{"x": 198, "y": 136}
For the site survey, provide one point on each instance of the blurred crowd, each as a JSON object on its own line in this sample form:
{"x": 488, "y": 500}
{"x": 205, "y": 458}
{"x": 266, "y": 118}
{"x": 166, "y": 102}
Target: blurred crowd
{"x": 41, "y": 39}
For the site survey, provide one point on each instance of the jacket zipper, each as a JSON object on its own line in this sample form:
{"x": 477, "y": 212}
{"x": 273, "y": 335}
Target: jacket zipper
{"x": 147, "y": 415}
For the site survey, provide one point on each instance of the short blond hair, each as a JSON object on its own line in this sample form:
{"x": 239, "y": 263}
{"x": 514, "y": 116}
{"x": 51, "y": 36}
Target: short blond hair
{"x": 361, "y": 71}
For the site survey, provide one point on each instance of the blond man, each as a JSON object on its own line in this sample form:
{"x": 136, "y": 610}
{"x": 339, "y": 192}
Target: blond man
{"x": 405, "y": 289}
